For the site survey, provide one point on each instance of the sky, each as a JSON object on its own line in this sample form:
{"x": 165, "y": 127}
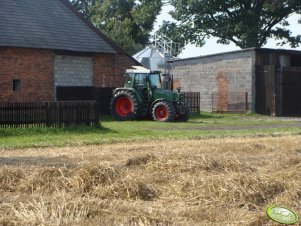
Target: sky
{"x": 212, "y": 47}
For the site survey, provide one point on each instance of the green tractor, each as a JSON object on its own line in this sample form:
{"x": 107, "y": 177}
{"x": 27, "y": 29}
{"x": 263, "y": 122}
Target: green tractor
{"x": 143, "y": 95}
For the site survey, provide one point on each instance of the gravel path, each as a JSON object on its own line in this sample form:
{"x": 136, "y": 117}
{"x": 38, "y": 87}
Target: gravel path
{"x": 273, "y": 126}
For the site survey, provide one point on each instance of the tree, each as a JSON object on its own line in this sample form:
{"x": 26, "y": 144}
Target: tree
{"x": 84, "y": 6}
{"x": 127, "y": 22}
{"x": 247, "y": 23}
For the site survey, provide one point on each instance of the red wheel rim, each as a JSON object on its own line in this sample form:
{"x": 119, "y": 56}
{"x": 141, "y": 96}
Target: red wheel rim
{"x": 123, "y": 106}
{"x": 161, "y": 112}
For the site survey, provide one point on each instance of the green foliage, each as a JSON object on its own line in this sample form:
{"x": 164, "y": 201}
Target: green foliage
{"x": 247, "y": 23}
{"x": 127, "y": 22}
{"x": 126, "y": 42}
{"x": 83, "y": 6}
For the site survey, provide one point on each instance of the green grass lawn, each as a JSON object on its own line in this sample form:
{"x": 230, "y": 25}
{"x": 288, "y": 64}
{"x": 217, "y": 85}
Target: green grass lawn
{"x": 199, "y": 126}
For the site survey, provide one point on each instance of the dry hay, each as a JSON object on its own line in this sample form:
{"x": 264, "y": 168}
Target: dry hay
{"x": 203, "y": 182}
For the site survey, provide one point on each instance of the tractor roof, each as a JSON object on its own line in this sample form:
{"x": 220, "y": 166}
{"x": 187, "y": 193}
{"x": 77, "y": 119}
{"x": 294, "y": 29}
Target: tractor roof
{"x": 139, "y": 69}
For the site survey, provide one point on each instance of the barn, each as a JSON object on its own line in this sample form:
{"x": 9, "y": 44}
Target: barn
{"x": 267, "y": 81}
{"x": 46, "y": 45}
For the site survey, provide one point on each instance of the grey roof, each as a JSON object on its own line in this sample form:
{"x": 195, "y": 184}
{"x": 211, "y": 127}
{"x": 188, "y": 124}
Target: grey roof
{"x": 48, "y": 24}
{"x": 289, "y": 51}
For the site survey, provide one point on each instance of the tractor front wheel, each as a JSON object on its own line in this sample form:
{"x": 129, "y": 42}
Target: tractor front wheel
{"x": 163, "y": 112}
{"x": 184, "y": 116}
{"x": 124, "y": 106}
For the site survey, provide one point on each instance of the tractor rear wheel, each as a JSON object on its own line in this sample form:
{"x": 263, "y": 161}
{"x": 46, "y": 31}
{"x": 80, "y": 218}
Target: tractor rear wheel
{"x": 124, "y": 106}
{"x": 163, "y": 112}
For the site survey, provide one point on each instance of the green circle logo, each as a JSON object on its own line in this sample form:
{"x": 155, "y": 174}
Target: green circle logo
{"x": 282, "y": 215}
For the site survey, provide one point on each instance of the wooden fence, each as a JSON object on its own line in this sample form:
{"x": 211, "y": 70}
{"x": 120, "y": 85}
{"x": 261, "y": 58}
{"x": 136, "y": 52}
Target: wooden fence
{"x": 50, "y": 114}
{"x": 236, "y": 102}
{"x": 193, "y": 100}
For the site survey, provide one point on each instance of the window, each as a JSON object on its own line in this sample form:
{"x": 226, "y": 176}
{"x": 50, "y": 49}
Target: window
{"x": 155, "y": 80}
{"x": 16, "y": 85}
{"x": 140, "y": 79}
{"x": 129, "y": 78}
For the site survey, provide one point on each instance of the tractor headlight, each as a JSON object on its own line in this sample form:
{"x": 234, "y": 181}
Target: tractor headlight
{"x": 181, "y": 97}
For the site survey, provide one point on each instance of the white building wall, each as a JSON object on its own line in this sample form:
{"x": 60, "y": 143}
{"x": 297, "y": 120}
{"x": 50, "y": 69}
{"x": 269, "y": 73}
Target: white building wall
{"x": 73, "y": 71}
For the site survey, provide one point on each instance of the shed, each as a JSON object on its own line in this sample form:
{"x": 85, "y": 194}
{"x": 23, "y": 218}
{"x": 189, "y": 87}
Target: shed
{"x": 270, "y": 77}
{"x": 46, "y": 44}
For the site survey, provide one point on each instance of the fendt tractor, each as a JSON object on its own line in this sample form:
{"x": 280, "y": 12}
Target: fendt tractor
{"x": 145, "y": 95}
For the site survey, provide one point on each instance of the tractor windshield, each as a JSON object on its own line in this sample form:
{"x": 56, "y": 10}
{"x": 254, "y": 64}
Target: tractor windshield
{"x": 155, "y": 80}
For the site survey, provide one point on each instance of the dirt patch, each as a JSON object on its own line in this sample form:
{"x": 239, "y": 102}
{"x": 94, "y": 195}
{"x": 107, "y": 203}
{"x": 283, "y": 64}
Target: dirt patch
{"x": 243, "y": 127}
{"x": 273, "y": 126}
{"x": 61, "y": 161}
{"x": 139, "y": 160}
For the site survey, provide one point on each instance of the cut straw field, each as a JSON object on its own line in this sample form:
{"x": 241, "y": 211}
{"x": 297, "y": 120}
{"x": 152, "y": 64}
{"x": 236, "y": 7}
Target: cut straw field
{"x": 227, "y": 181}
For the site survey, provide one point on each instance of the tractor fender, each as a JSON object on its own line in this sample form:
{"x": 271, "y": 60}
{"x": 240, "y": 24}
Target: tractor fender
{"x": 119, "y": 89}
{"x": 156, "y": 101}
{"x": 133, "y": 91}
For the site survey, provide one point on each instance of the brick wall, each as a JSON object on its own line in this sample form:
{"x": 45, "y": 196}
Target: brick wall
{"x": 33, "y": 67}
{"x": 121, "y": 63}
{"x": 221, "y": 73}
{"x": 109, "y": 68}
{"x": 103, "y": 70}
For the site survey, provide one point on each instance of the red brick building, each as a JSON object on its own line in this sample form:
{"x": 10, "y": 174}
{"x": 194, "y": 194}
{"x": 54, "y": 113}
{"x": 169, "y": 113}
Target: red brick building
{"x": 45, "y": 44}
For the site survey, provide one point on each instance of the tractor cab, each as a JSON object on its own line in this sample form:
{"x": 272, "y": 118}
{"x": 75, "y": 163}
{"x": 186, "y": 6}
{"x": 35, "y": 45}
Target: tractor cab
{"x": 142, "y": 78}
{"x": 147, "y": 83}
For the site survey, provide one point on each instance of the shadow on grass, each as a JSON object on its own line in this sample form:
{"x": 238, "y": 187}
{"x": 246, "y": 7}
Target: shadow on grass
{"x": 193, "y": 116}
{"x": 62, "y": 161}
{"x": 31, "y": 131}
{"x": 109, "y": 118}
